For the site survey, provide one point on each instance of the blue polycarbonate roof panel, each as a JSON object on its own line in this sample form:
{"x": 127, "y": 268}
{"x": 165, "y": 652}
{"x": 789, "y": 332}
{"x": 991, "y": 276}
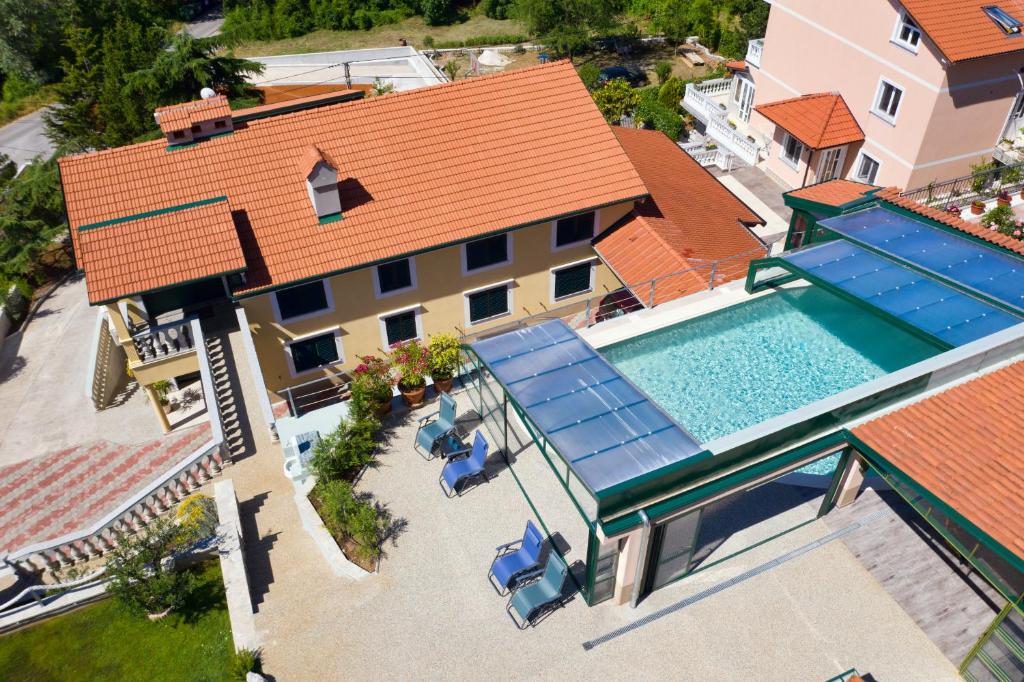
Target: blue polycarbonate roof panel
{"x": 931, "y": 306}
{"x": 981, "y": 268}
{"x": 603, "y": 426}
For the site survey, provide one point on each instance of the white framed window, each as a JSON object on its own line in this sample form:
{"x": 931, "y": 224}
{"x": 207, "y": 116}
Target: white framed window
{"x": 401, "y": 325}
{"x": 574, "y": 230}
{"x": 394, "y": 277}
{"x": 312, "y": 351}
{"x": 831, "y": 164}
{"x": 302, "y": 301}
{"x": 865, "y": 169}
{"x": 573, "y": 279}
{"x": 792, "y": 150}
{"x": 907, "y": 34}
{"x": 485, "y": 254}
{"x": 887, "y": 100}
{"x": 488, "y": 303}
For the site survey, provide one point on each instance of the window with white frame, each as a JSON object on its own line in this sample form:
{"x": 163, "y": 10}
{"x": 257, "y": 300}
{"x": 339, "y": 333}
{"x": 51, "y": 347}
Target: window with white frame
{"x": 317, "y": 350}
{"x": 574, "y": 229}
{"x": 394, "y": 277}
{"x": 887, "y": 102}
{"x": 866, "y": 169}
{"x": 792, "y": 150}
{"x": 401, "y": 325}
{"x": 302, "y": 301}
{"x": 486, "y": 253}
{"x": 488, "y": 303}
{"x": 908, "y": 34}
{"x": 572, "y": 279}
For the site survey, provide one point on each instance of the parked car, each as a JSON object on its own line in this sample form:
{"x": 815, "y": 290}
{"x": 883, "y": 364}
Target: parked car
{"x": 633, "y": 75}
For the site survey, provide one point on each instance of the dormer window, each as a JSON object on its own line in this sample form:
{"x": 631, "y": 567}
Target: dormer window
{"x": 192, "y": 121}
{"x": 178, "y": 134}
{"x": 197, "y": 129}
{"x": 220, "y": 125}
{"x": 908, "y": 34}
{"x": 321, "y": 184}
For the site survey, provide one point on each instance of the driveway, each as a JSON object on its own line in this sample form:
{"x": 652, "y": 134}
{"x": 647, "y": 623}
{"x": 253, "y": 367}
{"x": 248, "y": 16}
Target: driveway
{"x": 43, "y": 403}
{"x": 207, "y": 25}
{"x": 24, "y": 139}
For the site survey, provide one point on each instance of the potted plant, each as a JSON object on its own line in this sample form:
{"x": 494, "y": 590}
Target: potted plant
{"x": 977, "y": 207}
{"x": 953, "y": 209}
{"x": 412, "y": 362}
{"x": 1003, "y": 198}
{"x": 373, "y": 374}
{"x": 162, "y": 388}
{"x": 444, "y": 361}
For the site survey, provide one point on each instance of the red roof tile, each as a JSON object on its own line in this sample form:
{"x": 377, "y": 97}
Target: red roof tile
{"x": 422, "y": 168}
{"x": 690, "y": 219}
{"x": 961, "y": 29}
{"x": 963, "y": 445}
{"x": 150, "y": 252}
{"x": 819, "y": 121}
{"x": 182, "y": 116}
{"x": 736, "y": 65}
{"x": 891, "y": 195}
{"x": 833, "y": 192}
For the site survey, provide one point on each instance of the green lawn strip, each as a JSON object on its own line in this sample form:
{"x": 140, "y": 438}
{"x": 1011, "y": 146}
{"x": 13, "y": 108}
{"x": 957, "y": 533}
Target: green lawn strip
{"x": 106, "y": 642}
{"x": 412, "y": 29}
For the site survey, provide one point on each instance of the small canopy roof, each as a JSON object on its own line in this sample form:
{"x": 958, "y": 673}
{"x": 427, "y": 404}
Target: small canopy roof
{"x": 819, "y": 121}
{"x": 604, "y": 427}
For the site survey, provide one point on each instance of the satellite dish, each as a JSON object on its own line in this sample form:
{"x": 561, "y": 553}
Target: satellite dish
{"x": 207, "y": 93}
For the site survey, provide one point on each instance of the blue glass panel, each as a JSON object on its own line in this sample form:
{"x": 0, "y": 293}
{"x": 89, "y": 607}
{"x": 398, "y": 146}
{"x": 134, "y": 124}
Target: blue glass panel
{"x": 605, "y": 428}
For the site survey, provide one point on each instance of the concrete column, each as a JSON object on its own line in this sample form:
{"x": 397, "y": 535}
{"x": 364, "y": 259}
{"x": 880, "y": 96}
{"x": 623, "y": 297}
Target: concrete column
{"x": 850, "y": 481}
{"x": 124, "y": 337}
{"x": 625, "y": 572}
{"x": 154, "y": 400}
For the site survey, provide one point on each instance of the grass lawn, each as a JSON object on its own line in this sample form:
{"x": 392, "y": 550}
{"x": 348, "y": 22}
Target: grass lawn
{"x": 412, "y": 29}
{"x": 26, "y": 105}
{"x": 104, "y": 642}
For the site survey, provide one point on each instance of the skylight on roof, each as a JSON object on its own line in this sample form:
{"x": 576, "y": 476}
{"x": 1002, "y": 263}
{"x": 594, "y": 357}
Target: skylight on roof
{"x": 1004, "y": 21}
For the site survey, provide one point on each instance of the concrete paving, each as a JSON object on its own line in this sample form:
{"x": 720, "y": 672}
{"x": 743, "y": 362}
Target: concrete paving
{"x": 43, "y": 405}
{"x": 764, "y": 195}
{"x": 431, "y": 614}
{"x": 24, "y": 139}
{"x": 207, "y": 25}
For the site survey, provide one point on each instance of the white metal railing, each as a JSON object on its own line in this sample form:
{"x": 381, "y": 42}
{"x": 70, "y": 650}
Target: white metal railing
{"x": 755, "y": 48}
{"x": 39, "y": 592}
{"x": 165, "y": 340}
{"x": 699, "y": 101}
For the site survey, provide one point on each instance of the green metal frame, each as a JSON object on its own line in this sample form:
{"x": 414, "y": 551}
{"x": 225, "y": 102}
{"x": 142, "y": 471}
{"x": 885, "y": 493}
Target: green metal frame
{"x": 991, "y": 630}
{"x": 154, "y": 212}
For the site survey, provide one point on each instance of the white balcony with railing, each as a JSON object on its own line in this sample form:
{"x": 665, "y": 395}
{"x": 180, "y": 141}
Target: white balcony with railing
{"x": 710, "y": 102}
{"x": 755, "y": 48}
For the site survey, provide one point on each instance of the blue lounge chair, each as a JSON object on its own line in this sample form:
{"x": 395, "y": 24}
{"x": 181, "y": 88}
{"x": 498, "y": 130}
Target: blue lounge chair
{"x": 436, "y": 426}
{"x": 457, "y": 472}
{"x": 533, "y": 600}
{"x": 516, "y": 561}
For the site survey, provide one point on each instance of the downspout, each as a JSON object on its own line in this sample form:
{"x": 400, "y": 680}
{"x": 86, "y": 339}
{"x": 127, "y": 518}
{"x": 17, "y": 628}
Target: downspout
{"x": 641, "y": 559}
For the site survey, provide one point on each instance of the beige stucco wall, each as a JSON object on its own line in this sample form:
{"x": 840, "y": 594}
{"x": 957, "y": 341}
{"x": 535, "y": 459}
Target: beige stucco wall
{"x": 947, "y": 119}
{"x": 439, "y": 294}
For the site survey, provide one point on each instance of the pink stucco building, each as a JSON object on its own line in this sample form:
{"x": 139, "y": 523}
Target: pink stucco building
{"x": 880, "y": 91}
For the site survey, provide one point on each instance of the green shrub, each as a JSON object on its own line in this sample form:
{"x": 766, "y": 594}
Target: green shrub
{"x": 16, "y": 88}
{"x": 428, "y": 41}
{"x": 497, "y": 9}
{"x": 445, "y": 356}
{"x": 671, "y": 93}
{"x": 615, "y": 99}
{"x": 353, "y": 516}
{"x": 663, "y": 71}
{"x": 482, "y": 41}
{"x": 650, "y": 111}
{"x": 589, "y": 74}
{"x": 141, "y": 568}
{"x": 243, "y": 662}
{"x": 349, "y": 447}
{"x": 1002, "y": 219}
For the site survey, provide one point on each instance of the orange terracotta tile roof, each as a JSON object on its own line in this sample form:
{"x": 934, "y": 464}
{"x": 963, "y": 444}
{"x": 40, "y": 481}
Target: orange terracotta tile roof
{"x": 819, "y": 121}
{"x": 961, "y": 29}
{"x": 171, "y": 246}
{"x": 736, "y": 65}
{"x": 964, "y": 445}
{"x": 690, "y": 219}
{"x": 295, "y": 103}
{"x": 308, "y": 160}
{"x": 422, "y": 168}
{"x": 891, "y": 195}
{"x": 182, "y": 116}
{"x": 833, "y": 192}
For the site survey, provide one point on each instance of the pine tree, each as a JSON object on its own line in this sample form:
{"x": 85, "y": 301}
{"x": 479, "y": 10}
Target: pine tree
{"x": 74, "y": 125}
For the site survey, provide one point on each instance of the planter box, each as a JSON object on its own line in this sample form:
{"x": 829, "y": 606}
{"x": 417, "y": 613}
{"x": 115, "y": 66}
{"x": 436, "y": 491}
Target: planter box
{"x": 314, "y": 526}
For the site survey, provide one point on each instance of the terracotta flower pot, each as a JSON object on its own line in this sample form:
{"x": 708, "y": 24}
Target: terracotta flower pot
{"x": 1003, "y": 201}
{"x": 383, "y": 408}
{"x": 413, "y": 397}
{"x": 443, "y": 385}
{"x": 977, "y": 209}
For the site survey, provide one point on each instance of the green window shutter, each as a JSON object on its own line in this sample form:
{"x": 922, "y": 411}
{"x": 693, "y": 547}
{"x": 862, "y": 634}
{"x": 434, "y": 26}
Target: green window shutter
{"x": 401, "y": 327}
{"x": 574, "y": 229}
{"x": 314, "y": 352}
{"x": 489, "y": 303}
{"x": 571, "y": 281}
{"x": 301, "y": 300}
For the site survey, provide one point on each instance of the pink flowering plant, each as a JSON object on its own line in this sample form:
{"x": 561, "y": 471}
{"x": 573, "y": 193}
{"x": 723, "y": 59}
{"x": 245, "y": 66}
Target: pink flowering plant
{"x": 1002, "y": 220}
{"x": 412, "y": 362}
{"x": 373, "y": 374}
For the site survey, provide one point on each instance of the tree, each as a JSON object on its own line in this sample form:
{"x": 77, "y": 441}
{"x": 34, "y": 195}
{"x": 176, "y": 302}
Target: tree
{"x": 565, "y": 26}
{"x": 671, "y": 93}
{"x": 31, "y": 45}
{"x": 615, "y": 100}
{"x": 663, "y": 71}
{"x": 672, "y": 17}
{"x": 436, "y": 12}
{"x": 451, "y": 69}
{"x": 74, "y": 124}
{"x": 588, "y": 73}
{"x": 142, "y": 572}
{"x": 650, "y": 111}
{"x": 31, "y": 216}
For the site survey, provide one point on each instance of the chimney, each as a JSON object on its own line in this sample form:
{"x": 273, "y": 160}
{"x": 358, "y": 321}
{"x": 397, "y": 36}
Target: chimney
{"x": 191, "y": 121}
{"x": 321, "y": 184}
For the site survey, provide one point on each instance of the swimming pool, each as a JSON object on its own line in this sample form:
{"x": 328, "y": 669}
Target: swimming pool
{"x": 737, "y": 367}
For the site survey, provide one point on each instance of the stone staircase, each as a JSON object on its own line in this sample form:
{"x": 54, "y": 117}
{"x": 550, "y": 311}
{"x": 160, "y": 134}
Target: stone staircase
{"x": 108, "y": 376}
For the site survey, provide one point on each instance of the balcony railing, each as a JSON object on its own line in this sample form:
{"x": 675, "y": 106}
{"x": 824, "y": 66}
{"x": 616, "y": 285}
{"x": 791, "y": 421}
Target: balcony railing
{"x": 700, "y": 100}
{"x": 321, "y": 392}
{"x": 164, "y": 341}
{"x": 960, "y": 192}
{"x": 755, "y": 48}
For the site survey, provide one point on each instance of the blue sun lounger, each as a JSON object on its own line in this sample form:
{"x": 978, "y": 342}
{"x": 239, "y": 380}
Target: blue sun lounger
{"x": 436, "y": 426}
{"x": 517, "y": 561}
{"x": 531, "y": 601}
{"x": 457, "y": 472}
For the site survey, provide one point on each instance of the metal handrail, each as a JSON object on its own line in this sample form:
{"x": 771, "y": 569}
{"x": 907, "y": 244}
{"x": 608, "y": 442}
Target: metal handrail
{"x": 295, "y": 402}
{"x": 966, "y": 189}
{"x": 32, "y": 589}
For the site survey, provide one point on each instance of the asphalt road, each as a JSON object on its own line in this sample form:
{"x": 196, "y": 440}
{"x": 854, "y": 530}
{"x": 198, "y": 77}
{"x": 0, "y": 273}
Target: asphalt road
{"x": 23, "y": 139}
{"x": 208, "y": 25}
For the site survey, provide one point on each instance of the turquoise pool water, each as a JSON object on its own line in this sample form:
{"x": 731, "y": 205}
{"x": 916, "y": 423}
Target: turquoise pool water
{"x": 737, "y": 367}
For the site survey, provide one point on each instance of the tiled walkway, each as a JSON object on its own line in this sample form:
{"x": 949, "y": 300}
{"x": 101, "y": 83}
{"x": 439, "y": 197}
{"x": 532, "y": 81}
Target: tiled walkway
{"x": 49, "y": 496}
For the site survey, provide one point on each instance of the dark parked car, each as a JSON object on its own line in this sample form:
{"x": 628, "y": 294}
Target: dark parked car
{"x": 633, "y": 75}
